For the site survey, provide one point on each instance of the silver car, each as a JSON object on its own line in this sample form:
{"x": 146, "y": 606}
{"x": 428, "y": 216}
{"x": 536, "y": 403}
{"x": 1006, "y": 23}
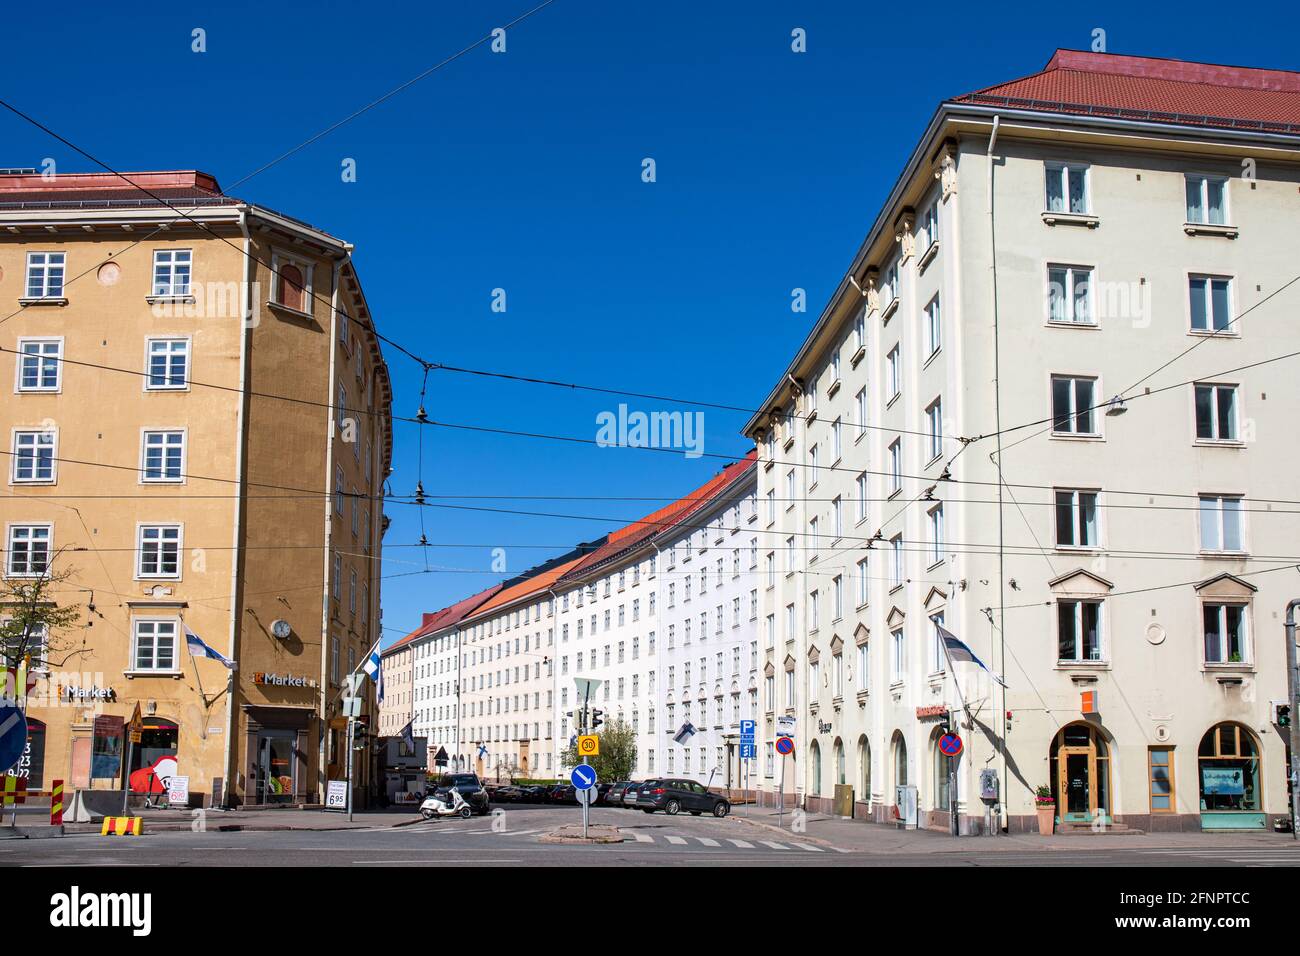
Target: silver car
{"x": 629, "y": 794}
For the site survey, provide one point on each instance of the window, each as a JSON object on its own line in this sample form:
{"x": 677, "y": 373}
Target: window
{"x": 159, "y": 551}
{"x": 39, "y": 365}
{"x": 1072, "y": 405}
{"x": 1076, "y": 519}
{"x": 837, "y": 439}
{"x": 169, "y": 361}
{"x": 936, "y": 534}
{"x": 929, "y": 228}
{"x": 155, "y": 646}
{"x": 1067, "y": 188}
{"x": 863, "y": 590}
{"x": 896, "y": 561}
{"x": 892, "y": 285}
{"x": 29, "y": 550}
{"x": 1079, "y": 630}
{"x": 162, "y": 456}
{"x": 1225, "y": 633}
{"x": 937, "y": 656}
{"x": 293, "y": 287}
{"x": 1207, "y": 200}
{"x": 1221, "y": 528}
{"x": 861, "y": 423}
{"x": 898, "y": 657}
{"x": 837, "y": 594}
{"x": 33, "y": 456}
{"x": 837, "y": 518}
{"x": 171, "y": 272}
{"x": 861, "y": 485}
{"x": 894, "y": 372}
{"x": 1069, "y": 295}
{"x": 1210, "y": 299}
{"x": 896, "y": 466}
{"x": 933, "y": 326}
{"x": 1216, "y": 412}
{"x": 45, "y": 275}
{"x": 864, "y": 674}
{"x": 934, "y": 428}
{"x": 814, "y": 610}
{"x": 1160, "y": 765}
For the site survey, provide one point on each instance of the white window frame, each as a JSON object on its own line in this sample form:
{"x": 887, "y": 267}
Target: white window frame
{"x": 894, "y": 372}
{"x": 140, "y": 529}
{"x": 1234, "y": 423}
{"x": 19, "y": 437}
{"x": 1072, "y": 274}
{"x": 1208, "y": 279}
{"x": 1094, "y": 412}
{"x": 1247, "y": 648}
{"x": 49, "y": 261}
{"x": 11, "y": 531}
{"x": 864, "y": 582}
{"x": 39, "y": 358}
{"x": 1102, "y": 643}
{"x": 1076, "y": 518}
{"x": 169, "y": 260}
{"x": 935, "y": 524}
{"x": 134, "y": 664}
{"x": 145, "y": 434}
{"x": 170, "y": 340}
{"x": 1218, "y": 512}
{"x": 934, "y": 428}
{"x": 933, "y": 327}
{"x": 1061, "y": 169}
{"x": 1202, "y": 182}
{"x": 896, "y": 466}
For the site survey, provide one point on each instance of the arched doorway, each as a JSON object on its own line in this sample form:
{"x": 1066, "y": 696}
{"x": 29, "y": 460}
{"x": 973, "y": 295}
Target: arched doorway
{"x": 837, "y": 751}
{"x": 864, "y": 769}
{"x": 944, "y": 767}
{"x": 1228, "y": 767}
{"x": 815, "y": 769}
{"x": 899, "y": 754}
{"x": 1080, "y": 773}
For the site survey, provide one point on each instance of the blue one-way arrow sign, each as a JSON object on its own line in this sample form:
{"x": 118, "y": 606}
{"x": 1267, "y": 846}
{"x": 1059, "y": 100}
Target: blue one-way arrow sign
{"x": 13, "y": 735}
{"x": 583, "y": 776}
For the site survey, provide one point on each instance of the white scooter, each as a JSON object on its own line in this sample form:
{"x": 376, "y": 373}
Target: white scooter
{"x": 436, "y": 805}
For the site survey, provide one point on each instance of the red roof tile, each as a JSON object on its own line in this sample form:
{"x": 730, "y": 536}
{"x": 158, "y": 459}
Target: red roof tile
{"x": 532, "y": 585}
{"x": 629, "y": 536}
{"x": 1146, "y": 88}
{"x": 448, "y": 616}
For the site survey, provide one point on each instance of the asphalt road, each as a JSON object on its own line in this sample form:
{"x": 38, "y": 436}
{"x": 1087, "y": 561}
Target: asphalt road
{"x": 513, "y": 839}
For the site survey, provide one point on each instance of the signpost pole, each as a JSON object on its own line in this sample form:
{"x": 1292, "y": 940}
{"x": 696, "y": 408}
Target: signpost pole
{"x": 780, "y": 798}
{"x": 352, "y": 726}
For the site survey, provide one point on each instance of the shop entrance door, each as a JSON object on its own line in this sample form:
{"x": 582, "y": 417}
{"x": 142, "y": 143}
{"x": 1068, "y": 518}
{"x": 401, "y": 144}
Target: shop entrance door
{"x": 1081, "y": 767}
{"x": 277, "y": 775}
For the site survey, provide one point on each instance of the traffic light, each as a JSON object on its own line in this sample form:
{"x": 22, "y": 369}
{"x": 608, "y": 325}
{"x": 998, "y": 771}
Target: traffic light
{"x": 1282, "y": 714}
{"x": 595, "y": 720}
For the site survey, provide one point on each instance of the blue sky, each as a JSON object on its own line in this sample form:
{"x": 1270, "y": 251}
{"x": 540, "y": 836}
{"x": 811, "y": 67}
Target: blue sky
{"x": 522, "y": 171}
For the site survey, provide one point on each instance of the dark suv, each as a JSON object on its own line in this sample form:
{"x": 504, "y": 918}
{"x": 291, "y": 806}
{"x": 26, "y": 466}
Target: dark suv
{"x": 672, "y": 796}
{"x": 470, "y": 788}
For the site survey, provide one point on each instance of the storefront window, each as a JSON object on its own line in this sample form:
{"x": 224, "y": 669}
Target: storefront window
{"x": 106, "y": 751}
{"x": 276, "y": 766}
{"x": 153, "y": 759}
{"x": 1229, "y": 769}
{"x": 31, "y": 765}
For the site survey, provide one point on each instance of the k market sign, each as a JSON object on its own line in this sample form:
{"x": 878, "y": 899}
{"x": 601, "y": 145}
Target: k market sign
{"x": 269, "y": 679}
{"x": 74, "y": 694}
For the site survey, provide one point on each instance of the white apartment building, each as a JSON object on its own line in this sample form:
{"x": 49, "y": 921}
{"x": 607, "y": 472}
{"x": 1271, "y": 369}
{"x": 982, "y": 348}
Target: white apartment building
{"x": 663, "y": 614}
{"x": 943, "y": 450}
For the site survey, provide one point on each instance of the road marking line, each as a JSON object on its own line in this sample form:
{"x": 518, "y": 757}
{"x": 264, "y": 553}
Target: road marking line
{"x": 809, "y": 847}
{"x": 838, "y": 850}
{"x": 643, "y": 837}
{"x": 743, "y": 844}
{"x": 707, "y": 842}
{"x": 774, "y": 846}
{"x": 675, "y": 840}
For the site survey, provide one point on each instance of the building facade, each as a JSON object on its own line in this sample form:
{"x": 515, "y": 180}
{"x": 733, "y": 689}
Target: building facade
{"x": 1044, "y": 411}
{"x": 198, "y": 436}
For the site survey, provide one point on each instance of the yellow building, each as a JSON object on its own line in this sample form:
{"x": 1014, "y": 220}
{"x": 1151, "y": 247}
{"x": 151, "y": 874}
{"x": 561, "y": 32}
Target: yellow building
{"x": 197, "y": 441}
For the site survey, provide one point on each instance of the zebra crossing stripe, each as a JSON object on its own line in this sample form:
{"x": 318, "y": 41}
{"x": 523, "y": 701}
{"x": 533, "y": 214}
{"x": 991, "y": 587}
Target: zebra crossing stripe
{"x": 643, "y": 837}
{"x": 774, "y": 846}
{"x": 707, "y": 842}
{"x": 676, "y": 840}
{"x": 743, "y": 844}
{"x": 809, "y": 847}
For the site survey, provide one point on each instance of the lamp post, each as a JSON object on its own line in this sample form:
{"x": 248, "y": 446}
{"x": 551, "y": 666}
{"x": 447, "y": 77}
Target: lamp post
{"x": 1294, "y": 735}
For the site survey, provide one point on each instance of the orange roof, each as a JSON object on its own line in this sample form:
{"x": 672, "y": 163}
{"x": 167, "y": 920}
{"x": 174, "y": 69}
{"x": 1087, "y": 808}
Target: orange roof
{"x": 1154, "y": 90}
{"x": 437, "y": 620}
{"x": 539, "y": 582}
{"x": 669, "y": 516}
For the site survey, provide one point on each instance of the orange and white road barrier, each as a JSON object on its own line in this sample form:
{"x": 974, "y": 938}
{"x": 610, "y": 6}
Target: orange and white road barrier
{"x": 15, "y": 791}
{"x": 122, "y": 826}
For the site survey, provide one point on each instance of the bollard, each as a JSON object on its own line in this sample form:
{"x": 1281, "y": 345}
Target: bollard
{"x": 56, "y": 804}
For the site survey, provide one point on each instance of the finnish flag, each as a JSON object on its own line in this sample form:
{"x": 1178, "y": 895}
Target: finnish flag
{"x": 375, "y": 672}
{"x": 685, "y": 733}
{"x": 959, "y": 653}
{"x": 199, "y": 649}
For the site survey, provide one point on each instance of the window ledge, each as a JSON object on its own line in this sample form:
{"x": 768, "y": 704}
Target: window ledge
{"x": 832, "y": 388}
{"x": 1074, "y": 436}
{"x": 887, "y": 313}
{"x": 1219, "y": 443}
{"x": 44, "y": 300}
{"x": 862, "y": 695}
{"x": 186, "y": 299}
{"x": 1210, "y": 229}
{"x": 1058, "y": 324}
{"x": 1224, "y": 333}
{"x": 1071, "y": 219}
{"x": 170, "y": 675}
{"x": 1226, "y": 555}
{"x": 788, "y": 444}
{"x": 892, "y": 399}
{"x": 858, "y": 356}
{"x": 931, "y": 357}
{"x": 289, "y": 310}
{"x": 928, "y": 256}
{"x": 1083, "y": 665}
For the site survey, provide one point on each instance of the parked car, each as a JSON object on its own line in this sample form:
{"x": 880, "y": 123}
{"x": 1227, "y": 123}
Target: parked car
{"x": 563, "y": 793}
{"x": 535, "y": 793}
{"x": 507, "y": 794}
{"x": 672, "y": 796}
{"x": 470, "y": 787}
{"x": 629, "y": 794}
{"x": 602, "y": 793}
{"x": 614, "y": 796}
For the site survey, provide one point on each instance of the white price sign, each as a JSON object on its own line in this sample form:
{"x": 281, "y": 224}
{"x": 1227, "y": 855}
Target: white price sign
{"x": 336, "y": 795}
{"x": 178, "y": 791}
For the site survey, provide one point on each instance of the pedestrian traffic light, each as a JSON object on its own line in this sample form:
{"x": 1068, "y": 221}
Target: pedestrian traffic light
{"x": 1281, "y": 714}
{"x": 595, "y": 719}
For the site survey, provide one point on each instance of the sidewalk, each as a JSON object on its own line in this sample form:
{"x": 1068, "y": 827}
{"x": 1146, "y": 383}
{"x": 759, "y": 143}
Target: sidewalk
{"x": 170, "y": 821}
{"x": 862, "y": 837}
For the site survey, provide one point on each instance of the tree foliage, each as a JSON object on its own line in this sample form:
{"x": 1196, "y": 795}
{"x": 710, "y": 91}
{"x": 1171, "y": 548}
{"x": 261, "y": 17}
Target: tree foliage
{"x": 33, "y": 624}
{"x": 617, "y": 757}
